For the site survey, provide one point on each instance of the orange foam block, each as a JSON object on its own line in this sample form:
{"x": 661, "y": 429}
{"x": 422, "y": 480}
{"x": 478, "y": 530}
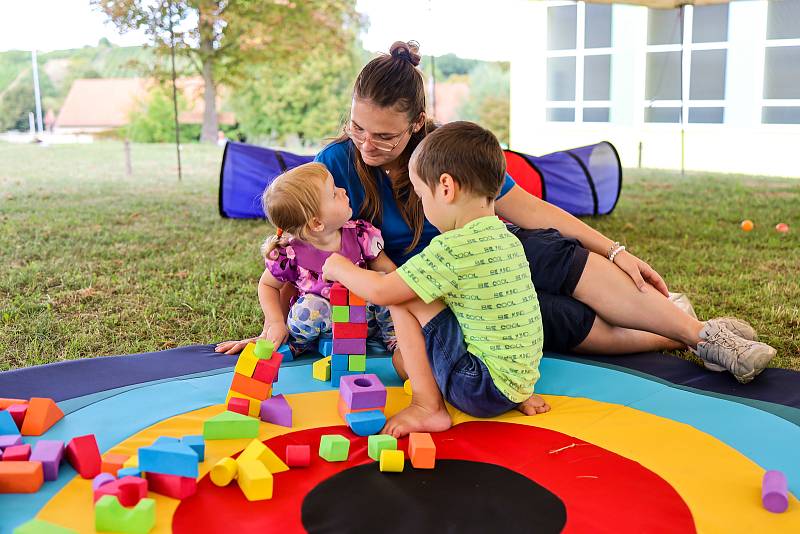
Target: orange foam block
{"x": 113, "y": 463}
{"x": 421, "y": 450}
{"x": 251, "y": 387}
{"x": 5, "y": 403}
{"x": 41, "y": 415}
{"x": 355, "y": 300}
{"x": 21, "y": 477}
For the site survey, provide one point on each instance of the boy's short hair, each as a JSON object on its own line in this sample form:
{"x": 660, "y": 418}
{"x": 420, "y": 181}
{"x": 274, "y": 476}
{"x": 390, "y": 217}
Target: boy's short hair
{"x": 467, "y": 152}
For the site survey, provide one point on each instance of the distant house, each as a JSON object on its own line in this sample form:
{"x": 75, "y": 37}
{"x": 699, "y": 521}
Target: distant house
{"x": 100, "y": 104}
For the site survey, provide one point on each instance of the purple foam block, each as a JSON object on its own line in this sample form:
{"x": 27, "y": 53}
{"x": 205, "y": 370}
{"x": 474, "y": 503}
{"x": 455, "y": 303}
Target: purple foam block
{"x": 358, "y": 314}
{"x": 49, "y": 452}
{"x": 349, "y": 346}
{"x": 277, "y": 411}
{"x": 362, "y": 391}
{"x": 102, "y": 479}
{"x": 9, "y": 440}
{"x": 775, "y": 492}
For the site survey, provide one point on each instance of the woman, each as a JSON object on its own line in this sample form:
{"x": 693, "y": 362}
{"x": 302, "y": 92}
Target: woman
{"x": 595, "y": 296}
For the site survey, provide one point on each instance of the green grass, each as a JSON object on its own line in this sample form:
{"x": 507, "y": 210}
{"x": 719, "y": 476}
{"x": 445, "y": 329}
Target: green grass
{"x": 95, "y": 263}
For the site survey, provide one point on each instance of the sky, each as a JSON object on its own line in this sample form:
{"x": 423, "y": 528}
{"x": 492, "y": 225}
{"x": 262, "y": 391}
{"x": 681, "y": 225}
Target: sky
{"x": 468, "y": 28}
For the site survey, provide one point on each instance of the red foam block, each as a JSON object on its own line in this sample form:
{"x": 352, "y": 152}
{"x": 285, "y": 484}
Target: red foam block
{"x": 83, "y": 454}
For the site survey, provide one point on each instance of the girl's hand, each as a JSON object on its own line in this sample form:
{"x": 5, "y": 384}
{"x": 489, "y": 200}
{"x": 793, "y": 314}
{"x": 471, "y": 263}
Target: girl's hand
{"x": 277, "y": 333}
{"x": 331, "y": 270}
{"x": 640, "y": 272}
{"x": 234, "y": 347}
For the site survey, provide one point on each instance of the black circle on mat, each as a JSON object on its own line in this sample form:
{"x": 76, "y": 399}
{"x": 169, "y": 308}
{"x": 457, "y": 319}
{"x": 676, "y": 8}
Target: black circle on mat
{"x": 457, "y": 496}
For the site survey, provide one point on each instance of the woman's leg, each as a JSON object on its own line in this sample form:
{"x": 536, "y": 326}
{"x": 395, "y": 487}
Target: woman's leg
{"x": 607, "y": 339}
{"x": 309, "y": 317}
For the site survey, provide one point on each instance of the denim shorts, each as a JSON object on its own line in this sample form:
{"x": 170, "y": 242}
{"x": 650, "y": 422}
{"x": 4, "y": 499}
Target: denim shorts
{"x": 463, "y": 378}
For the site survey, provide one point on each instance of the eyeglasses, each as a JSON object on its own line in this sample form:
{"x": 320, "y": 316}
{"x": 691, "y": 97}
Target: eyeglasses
{"x": 359, "y": 135}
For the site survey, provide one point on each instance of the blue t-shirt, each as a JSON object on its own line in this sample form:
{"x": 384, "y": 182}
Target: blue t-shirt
{"x": 339, "y": 158}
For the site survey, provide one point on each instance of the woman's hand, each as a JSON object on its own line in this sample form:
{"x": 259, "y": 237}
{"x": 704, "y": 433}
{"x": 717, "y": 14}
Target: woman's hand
{"x": 332, "y": 268}
{"x": 275, "y": 332}
{"x": 640, "y": 272}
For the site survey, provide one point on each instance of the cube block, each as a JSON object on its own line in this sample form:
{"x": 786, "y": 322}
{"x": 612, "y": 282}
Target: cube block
{"x": 230, "y": 425}
{"x": 298, "y": 455}
{"x": 264, "y": 349}
{"x": 285, "y": 352}
{"x": 334, "y": 448}
{"x": 358, "y": 362}
{"x": 340, "y": 362}
{"x": 247, "y": 361}
{"x": 421, "y": 450}
{"x": 254, "y": 404}
{"x": 277, "y": 411}
{"x": 392, "y": 461}
{"x": 255, "y": 480}
{"x": 49, "y": 452}
{"x": 111, "y": 463}
{"x": 355, "y": 300}
{"x": 83, "y": 454}
{"x": 239, "y": 405}
{"x": 321, "y": 369}
{"x": 17, "y": 453}
{"x": 378, "y": 443}
{"x": 111, "y": 516}
{"x": 338, "y": 295}
{"x": 340, "y": 314}
{"x": 325, "y": 346}
{"x": 362, "y": 391}
{"x": 349, "y": 346}
{"x": 251, "y": 387}
{"x": 349, "y": 330}
{"x": 358, "y": 314}
{"x": 267, "y": 370}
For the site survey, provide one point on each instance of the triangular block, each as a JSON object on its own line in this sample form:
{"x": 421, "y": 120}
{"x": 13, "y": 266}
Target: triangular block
{"x": 260, "y": 452}
{"x": 42, "y": 413}
{"x": 277, "y": 411}
{"x": 230, "y": 425}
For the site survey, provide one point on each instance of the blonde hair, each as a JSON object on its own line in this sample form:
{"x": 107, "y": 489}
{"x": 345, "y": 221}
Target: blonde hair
{"x": 291, "y": 201}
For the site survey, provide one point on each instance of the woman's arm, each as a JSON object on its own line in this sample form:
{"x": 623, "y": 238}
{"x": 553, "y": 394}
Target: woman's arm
{"x": 377, "y": 288}
{"x": 527, "y": 211}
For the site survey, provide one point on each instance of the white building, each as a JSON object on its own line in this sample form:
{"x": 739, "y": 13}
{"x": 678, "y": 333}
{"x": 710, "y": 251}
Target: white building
{"x": 587, "y": 72}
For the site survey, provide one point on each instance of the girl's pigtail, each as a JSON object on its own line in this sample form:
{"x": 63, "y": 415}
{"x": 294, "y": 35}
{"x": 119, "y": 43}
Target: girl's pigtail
{"x": 273, "y": 242}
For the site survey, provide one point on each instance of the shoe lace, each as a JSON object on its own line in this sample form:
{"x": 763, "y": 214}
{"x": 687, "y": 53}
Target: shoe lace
{"x": 727, "y": 340}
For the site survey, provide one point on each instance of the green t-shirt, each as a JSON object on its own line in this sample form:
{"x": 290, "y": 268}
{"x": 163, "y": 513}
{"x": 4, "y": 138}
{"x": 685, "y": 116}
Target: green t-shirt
{"x": 481, "y": 273}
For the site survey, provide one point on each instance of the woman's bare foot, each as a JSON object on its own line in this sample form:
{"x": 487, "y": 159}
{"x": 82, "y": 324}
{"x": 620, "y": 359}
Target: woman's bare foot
{"x": 417, "y": 418}
{"x": 534, "y": 405}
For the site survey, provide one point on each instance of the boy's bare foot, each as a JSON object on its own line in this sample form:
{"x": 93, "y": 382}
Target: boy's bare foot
{"x": 534, "y": 405}
{"x": 417, "y": 418}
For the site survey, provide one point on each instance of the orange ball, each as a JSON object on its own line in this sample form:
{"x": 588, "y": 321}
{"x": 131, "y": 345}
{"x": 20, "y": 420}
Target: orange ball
{"x": 782, "y": 227}
{"x": 747, "y": 225}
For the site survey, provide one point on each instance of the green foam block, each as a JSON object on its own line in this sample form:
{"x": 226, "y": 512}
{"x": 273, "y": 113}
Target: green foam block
{"x": 334, "y": 447}
{"x": 380, "y": 442}
{"x": 230, "y": 425}
{"x": 111, "y": 516}
{"x": 37, "y": 526}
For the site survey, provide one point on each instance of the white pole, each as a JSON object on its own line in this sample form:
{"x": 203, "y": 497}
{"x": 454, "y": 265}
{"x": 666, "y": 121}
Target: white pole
{"x": 30, "y": 122}
{"x": 36, "y": 94}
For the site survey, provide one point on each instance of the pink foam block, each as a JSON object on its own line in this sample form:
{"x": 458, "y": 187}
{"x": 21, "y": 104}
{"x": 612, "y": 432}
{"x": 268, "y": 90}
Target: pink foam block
{"x": 17, "y": 453}
{"x": 349, "y": 346}
{"x": 101, "y": 480}
{"x": 172, "y": 485}
{"x": 266, "y": 371}
{"x": 775, "y": 492}
{"x": 9, "y": 440}
{"x": 49, "y": 452}
{"x": 362, "y": 391}
{"x": 129, "y": 490}
{"x": 277, "y": 411}
{"x": 17, "y": 412}
{"x": 298, "y": 455}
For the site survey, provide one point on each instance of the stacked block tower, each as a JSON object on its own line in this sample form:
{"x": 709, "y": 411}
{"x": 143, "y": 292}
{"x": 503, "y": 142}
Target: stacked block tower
{"x": 362, "y": 400}
{"x": 255, "y": 372}
{"x": 349, "y": 352}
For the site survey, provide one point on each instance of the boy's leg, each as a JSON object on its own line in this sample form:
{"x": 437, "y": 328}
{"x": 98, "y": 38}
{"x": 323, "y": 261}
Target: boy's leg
{"x": 427, "y": 411}
{"x": 309, "y": 316}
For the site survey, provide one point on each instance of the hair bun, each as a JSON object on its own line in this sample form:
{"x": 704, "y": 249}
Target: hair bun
{"x": 408, "y": 51}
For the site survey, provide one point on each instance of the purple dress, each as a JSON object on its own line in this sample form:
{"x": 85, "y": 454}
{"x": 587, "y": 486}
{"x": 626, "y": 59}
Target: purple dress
{"x": 300, "y": 264}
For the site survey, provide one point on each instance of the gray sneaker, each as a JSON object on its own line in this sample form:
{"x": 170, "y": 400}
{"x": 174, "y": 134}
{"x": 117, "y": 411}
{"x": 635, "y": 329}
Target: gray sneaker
{"x": 738, "y": 327}
{"x": 742, "y": 357}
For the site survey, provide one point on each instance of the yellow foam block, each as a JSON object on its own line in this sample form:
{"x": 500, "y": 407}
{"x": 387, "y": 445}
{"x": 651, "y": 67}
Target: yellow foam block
{"x": 133, "y": 461}
{"x": 255, "y": 480}
{"x": 321, "y": 369}
{"x": 254, "y": 409}
{"x": 224, "y": 471}
{"x": 261, "y": 453}
{"x": 407, "y": 387}
{"x": 247, "y": 361}
{"x": 392, "y": 461}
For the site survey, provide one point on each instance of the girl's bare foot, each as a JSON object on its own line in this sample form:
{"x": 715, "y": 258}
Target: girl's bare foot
{"x": 534, "y": 405}
{"x": 418, "y": 418}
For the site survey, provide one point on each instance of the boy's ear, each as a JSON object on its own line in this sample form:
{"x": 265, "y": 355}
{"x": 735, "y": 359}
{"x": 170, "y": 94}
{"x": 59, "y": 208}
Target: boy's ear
{"x": 447, "y": 186}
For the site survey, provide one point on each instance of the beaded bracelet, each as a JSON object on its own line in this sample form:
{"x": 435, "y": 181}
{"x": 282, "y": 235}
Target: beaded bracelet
{"x": 615, "y": 252}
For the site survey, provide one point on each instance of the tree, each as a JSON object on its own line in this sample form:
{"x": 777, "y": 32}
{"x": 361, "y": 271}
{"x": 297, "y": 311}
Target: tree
{"x": 152, "y": 120}
{"x": 488, "y": 102}
{"x": 225, "y": 39}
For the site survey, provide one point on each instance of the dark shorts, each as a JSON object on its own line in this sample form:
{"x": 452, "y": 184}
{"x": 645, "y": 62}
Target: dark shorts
{"x": 557, "y": 263}
{"x": 463, "y": 378}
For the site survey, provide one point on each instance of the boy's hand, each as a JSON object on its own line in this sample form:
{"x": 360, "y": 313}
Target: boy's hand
{"x": 332, "y": 268}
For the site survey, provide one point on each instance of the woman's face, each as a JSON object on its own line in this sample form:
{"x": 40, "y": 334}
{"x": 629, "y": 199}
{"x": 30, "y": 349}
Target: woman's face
{"x": 371, "y": 124}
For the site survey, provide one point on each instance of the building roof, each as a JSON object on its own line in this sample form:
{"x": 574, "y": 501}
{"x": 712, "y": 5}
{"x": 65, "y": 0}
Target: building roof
{"x": 108, "y": 102}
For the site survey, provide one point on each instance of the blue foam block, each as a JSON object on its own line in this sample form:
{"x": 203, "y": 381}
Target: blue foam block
{"x": 164, "y": 440}
{"x": 366, "y": 423}
{"x": 7, "y": 424}
{"x": 197, "y": 444}
{"x": 129, "y": 472}
{"x": 287, "y": 352}
{"x": 336, "y": 374}
{"x": 169, "y": 459}
{"x": 340, "y": 362}
{"x": 325, "y": 346}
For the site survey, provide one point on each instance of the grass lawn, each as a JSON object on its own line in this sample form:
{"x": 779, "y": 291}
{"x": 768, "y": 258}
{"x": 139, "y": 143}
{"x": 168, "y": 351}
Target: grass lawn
{"x": 96, "y": 263}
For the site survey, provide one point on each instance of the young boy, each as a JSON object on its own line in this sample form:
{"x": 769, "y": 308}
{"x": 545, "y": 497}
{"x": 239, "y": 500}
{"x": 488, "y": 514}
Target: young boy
{"x": 465, "y": 310}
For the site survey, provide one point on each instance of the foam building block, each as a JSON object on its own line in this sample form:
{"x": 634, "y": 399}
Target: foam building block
{"x": 251, "y": 387}
{"x": 42, "y": 414}
{"x": 344, "y": 409}
{"x": 17, "y": 453}
{"x": 239, "y": 405}
{"x": 355, "y": 300}
{"x": 421, "y": 450}
{"x": 366, "y": 423}
{"x": 325, "y": 346}
{"x": 197, "y": 444}
{"x": 349, "y": 330}
{"x": 21, "y": 477}
{"x": 392, "y": 461}
{"x": 298, "y": 455}
{"x": 321, "y": 369}
{"x": 83, "y": 454}
{"x": 230, "y": 425}
{"x": 255, "y": 404}
{"x": 129, "y": 490}
{"x": 101, "y": 480}
{"x": 339, "y": 295}
{"x": 362, "y": 391}
{"x": 6, "y": 402}
{"x": 336, "y": 376}
{"x": 340, "y": 314}
{"x": 349, "y": 346}
{"x": 276, "y": 410}
{"x": 334, "y": 447}
{"x": 129, "y": 472}
{"x": 247, "y": 361}
{"x": 112, "y": 462}
{"x": 49, "y": 452}
{"x": 255, "y": 480}
{"x": 407, "y": 387}
{"x": 133, "y": 461}
{"x": 18, "y": 412}
{"x": 171, "y": 485}
{"x": 169, "y": 459}
{"x": 775, "y": 492}
{"x": 224, "y": 471}
{"x": 111, "y": 516}
{"x": 267, "y": 370}
{"x": 37, "y": 526}
{"x": 378, "y": 443}
{"x": 285, "y": 352}
{"x": 259, "y": 452}
{"x": 358, "y": 314}
{"x": 357, "y": 362}
{"x": 340, "y": 362}
{"x": 264, "y": 349}
{"x": 9, "y": 440}
{"x": 7, "y": 423}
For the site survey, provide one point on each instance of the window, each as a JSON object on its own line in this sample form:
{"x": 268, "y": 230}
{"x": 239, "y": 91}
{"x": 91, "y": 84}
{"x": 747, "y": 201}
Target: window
{"x": 686, "y": 64}
{"x": 781, "y": 103}
{"x": 579, "y": 43}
